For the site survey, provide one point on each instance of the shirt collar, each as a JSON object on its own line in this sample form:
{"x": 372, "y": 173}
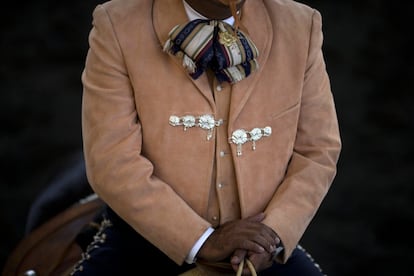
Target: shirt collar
{"x": 193, "y": 14}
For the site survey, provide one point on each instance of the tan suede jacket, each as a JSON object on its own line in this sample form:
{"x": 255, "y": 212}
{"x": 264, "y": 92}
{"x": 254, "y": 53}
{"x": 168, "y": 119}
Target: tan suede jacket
{"x": 158, "y": 177}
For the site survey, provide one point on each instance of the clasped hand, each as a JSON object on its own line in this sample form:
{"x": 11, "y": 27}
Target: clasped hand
{"x": 240, "y": 239}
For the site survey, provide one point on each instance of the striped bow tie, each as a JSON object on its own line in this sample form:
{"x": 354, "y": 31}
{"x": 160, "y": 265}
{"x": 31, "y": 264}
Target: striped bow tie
{"x": 213, "y": 44}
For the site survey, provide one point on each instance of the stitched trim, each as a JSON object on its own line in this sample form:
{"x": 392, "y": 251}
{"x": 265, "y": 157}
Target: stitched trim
{"x": 309, "y": 256}
{"x": 98, "y": 239}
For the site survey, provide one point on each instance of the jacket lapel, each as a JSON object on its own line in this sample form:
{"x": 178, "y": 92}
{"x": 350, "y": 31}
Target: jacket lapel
{"x": 256, "y": 20}
{"x": 165, "y": 16}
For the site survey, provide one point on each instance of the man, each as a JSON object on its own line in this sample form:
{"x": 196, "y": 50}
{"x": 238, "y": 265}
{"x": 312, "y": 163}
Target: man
{"x": 210, "y": 132}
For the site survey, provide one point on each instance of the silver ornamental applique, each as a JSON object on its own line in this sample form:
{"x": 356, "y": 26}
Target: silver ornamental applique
{"x": 206, "y": 122}
{"x": 241, "y": 136}
{"x": 188, "y": 121}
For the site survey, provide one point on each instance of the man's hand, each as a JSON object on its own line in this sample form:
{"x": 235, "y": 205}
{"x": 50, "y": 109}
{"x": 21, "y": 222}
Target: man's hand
{"x": 260, "y": 261}
{"x": 248, "y": 234}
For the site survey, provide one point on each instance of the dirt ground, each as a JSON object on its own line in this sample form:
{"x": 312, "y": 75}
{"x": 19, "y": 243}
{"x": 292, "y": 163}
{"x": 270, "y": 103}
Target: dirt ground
{"x": 364, "y": 226}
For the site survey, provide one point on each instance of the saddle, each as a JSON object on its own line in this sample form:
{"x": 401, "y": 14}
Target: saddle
{"x": 61, "y": 222}
{"x": 54, "y": 247}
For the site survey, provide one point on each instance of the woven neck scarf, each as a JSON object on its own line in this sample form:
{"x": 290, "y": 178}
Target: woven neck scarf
{"x": 213, "y": 44}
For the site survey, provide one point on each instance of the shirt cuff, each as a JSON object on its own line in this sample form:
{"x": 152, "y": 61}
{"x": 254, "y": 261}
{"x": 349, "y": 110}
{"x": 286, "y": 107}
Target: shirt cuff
{"x": 191, "y": 257}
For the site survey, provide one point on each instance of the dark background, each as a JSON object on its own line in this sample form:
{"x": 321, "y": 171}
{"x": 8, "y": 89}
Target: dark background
{"x": 363, "y": 226}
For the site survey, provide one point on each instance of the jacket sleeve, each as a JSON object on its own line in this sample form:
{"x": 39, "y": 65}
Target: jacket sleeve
{"x": 312, "y": 167}
{"x": 112, "y": 136}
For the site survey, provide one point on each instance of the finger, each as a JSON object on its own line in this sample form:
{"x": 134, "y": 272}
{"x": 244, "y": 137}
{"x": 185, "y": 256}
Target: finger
{"x": 237, "y": 258}
{"x": 260, "y": 261}
{"x": 251, "y": 245}
{"x": 267, "y": 243}
{"x": 270, "y": 236}
{"x": 261, "y": 234}
{"x": 255, "y": 243}
{"x": 273, "y": 235}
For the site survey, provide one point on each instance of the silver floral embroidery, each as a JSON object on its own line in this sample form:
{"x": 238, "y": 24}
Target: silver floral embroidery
{"x": 241, "y": 136}
{"x": 256, "y": 134}
{"x": 206, "y": 122}
{"x": 188, "y": 121}
{"x": 267, "y": 131}
{"x": 174, "y": 120}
